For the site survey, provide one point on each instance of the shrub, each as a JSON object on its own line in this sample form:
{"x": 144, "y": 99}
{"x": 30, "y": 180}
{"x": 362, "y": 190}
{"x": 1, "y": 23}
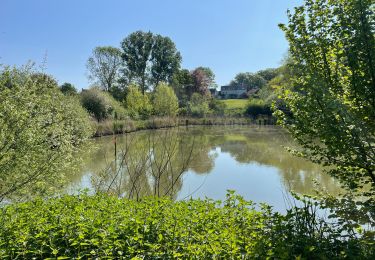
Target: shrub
{"x": 198, "y": 105}
{"x": 218, "y": 108}
{"x": 101, "y": 105}
{"x": 41, "y": 132}
{"x": 258, "y": 107}
{"x": 165, "y": 102}
{"x": 102, "y": 226}
{"x": 138, "y": 104}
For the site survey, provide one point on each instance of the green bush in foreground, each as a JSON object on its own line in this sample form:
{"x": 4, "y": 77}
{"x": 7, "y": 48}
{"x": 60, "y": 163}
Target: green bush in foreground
{"x": 101, "y": 226}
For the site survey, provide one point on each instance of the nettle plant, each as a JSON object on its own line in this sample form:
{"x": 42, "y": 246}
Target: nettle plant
{"x": 102, "y": 226}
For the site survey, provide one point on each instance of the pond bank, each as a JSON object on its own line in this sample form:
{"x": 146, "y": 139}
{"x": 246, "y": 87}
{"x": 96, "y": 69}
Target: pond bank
{"x": 111, "y": 127}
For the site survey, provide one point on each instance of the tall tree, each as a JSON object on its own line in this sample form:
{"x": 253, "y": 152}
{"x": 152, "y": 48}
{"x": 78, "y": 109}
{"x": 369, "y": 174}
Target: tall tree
{"x": 68, "y": 89}
{"x": 330, "y": 103}
{"x": 137, "y": 48}
{"x": 248, "y": 80}
{"x": 182, "y": 83}
{"x": 165, "y": 60}
{"x": 149, "y": 59}
{"x": 268, "y": 74}
{"x": 104, "y": 65}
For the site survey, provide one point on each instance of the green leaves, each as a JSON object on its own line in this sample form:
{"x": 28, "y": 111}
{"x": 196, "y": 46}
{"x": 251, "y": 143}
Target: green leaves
{"x": 165, "y": 102}
{"x": 149, "y": 59}
{"x": 41, "y": 131}
{"x": 329, "y": 103}
{"x": 104, "y": 66}
{"x": 138, "y": 104}
{"x": 102, "y": 226}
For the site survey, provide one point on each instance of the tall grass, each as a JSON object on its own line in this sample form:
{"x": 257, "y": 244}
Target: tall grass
{"x": 110, "y": 127}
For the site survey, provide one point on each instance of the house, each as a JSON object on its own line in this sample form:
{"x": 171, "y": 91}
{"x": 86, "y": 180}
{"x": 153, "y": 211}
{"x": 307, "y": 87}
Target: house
{"x": 233, "y": 91}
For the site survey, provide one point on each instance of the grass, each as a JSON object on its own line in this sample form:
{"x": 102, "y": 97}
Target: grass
{"x": 235, "y": 103}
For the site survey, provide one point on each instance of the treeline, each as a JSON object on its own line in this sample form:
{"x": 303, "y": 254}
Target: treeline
{"x": 144, "y": 78}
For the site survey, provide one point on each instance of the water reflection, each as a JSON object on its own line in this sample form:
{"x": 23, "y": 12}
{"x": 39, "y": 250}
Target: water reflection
{"x": 176, "y": 162}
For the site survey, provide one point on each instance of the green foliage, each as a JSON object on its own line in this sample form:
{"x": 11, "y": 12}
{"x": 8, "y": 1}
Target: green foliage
{"x": 137, "y": 104}
{"x": 258, "y": 107}
{"x": 68, "y": 89}
{"x": 137, "y": 48}
{"x": 165, "y": 102}
{"x": 329, "y": 106}
{"x": 41, "y": 132}
{"x": 198, "y": 105}
{"x": 249, "y": 80}
{"x": 104, "y": 65}
{"x": 149, "y": 59}
{"x": 101, "y": 105}
{"x": 217, "y": 107}
{"x": 268, "y": 74}
{"x": 165, "y": 60}
{"x": 182, "y": 83}
{"x": 101, "y": 226}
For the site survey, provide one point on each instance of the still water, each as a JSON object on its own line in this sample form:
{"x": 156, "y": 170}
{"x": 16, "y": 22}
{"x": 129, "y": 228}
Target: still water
{"x": 199, "y": 162}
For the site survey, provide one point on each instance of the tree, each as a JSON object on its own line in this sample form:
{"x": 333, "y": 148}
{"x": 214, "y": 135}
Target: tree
{"x": 165, "y": 60}
{"x": 268, "y": 74}
{"x": 203, "y": 79}
{"x": 330, "y": 103}
{"x": 68, "y": 89}
{"x": 104, "y": 66}
{"x": 149, "y": 59}
{"x": 249, "y": 80}
{"x": 41, "y": 132}
{"x": 165, "y": 101}
{"x": 138, "y": 104}
{"x": 182, "y": 83}
{"x": 209, "y": 74}
{"x": 137, "y": 48}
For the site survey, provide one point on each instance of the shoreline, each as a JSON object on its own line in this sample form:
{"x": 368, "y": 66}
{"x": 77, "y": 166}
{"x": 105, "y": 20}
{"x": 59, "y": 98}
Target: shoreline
{"x": 113, "y": 127}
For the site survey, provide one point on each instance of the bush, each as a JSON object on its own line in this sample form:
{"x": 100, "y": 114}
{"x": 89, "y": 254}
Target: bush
{"x": 101, "y": 105}
{"x": 138, "y": 104}
{"x": 258, "y": 107}
{"x": 165, "y": 102}
{"x": 198, "y": 106}
{"x": 41, "y": 132}
{"x": 101, "y": 226}
{"x": 218, "y": 108}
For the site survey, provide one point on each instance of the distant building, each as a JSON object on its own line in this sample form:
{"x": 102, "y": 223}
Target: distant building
{"x": 233, "y": 91}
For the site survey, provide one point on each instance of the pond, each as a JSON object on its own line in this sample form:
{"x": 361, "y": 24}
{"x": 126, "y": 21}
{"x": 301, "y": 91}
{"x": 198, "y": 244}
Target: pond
{"x": 199, "y": 162}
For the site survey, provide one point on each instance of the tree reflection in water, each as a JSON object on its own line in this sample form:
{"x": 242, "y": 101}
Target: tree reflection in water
{"x": 154, "y": 162}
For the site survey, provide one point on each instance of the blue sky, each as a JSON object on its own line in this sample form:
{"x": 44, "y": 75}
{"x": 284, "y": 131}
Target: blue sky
{"x": 229, "y": 36}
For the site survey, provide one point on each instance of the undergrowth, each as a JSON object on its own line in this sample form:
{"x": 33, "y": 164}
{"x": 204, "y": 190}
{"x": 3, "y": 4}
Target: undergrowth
{"x": 106, "y": 227}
